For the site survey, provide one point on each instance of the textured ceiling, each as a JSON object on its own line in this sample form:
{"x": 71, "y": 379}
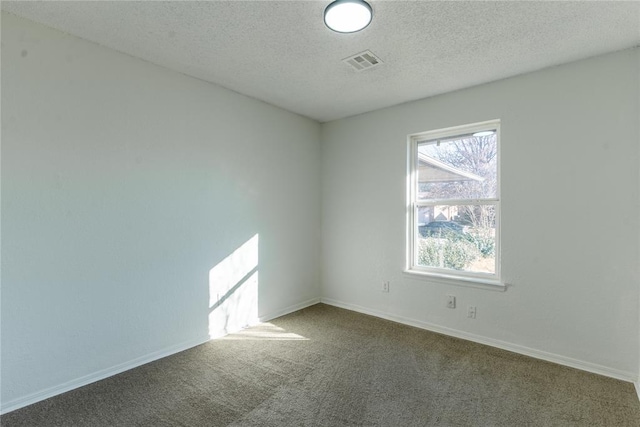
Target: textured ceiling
{"x": 281, "y": 52}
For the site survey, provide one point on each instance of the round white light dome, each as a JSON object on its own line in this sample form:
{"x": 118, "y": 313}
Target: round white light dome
{"x": 347, "y": 16}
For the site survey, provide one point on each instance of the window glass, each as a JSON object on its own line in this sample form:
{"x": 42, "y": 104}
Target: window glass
{"x": 464, "y": 168}
{"x": 454, "y": 219}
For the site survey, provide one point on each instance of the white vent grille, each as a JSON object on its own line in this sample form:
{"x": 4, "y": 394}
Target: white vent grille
{"x": 363, "y": 61}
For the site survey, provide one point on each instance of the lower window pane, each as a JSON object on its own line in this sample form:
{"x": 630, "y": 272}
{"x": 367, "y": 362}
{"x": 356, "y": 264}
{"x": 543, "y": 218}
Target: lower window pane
{"x": 461, "y": 238}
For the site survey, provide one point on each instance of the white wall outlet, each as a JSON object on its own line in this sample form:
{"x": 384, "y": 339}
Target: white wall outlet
{"x": 451, "y": 301}
{"x": 385, "y": 286}
{"x": 471, "y": 312}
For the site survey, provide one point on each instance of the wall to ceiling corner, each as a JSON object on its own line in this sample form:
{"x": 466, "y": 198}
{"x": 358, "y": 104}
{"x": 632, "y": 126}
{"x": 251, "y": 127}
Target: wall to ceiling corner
{"x": 142, "y": 211}
{"x": 570, "y": 214}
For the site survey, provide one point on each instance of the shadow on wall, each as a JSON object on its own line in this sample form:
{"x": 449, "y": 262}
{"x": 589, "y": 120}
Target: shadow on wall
{"x": 233, "y": 290}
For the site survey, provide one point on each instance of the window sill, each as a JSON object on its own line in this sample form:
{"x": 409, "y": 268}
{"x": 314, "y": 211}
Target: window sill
{"x": 468, "y": 282}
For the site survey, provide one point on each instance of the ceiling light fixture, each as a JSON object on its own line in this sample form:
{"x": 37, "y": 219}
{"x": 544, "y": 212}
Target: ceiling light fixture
{"x": 348, "y": 16}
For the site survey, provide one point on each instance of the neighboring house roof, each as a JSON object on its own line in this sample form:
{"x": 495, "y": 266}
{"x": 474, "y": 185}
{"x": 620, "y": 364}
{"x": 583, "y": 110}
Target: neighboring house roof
{"x": 432, "y": 170}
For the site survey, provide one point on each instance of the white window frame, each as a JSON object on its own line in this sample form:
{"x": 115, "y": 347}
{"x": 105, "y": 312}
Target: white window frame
{"x": 465, "y": 278}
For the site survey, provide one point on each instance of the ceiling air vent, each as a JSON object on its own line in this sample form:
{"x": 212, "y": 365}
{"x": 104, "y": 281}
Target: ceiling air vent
{"x": 363, "y": 61}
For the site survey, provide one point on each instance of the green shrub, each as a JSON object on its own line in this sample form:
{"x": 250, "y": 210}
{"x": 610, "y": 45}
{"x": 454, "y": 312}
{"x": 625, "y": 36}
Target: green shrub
{"x": 445, "y": 253}
{"x": 429, "y": 251}
{"x": 485, "y": 244}
{"x": 458, "y": 255}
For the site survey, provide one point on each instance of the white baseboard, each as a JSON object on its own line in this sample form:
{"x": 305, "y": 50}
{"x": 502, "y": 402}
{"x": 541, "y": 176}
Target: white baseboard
{"x": 636, "y": 384}
{"x": 289, "y": 309}
{"x": 32, "y": 398}
{"x": 516, "y": 348}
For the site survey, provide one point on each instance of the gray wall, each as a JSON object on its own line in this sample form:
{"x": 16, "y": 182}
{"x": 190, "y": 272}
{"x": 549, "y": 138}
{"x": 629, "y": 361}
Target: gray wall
{"x": 123, "y": 185}
{"x": 570, "y": 211}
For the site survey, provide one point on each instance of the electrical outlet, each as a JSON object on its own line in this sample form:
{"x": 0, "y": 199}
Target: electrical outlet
{"x": 451, "y": 301}
{"x": 471, "y": 312}
{"x": 385, "y": 286}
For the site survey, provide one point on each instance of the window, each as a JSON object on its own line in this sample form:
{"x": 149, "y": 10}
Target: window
{"x": 453, "y": 228}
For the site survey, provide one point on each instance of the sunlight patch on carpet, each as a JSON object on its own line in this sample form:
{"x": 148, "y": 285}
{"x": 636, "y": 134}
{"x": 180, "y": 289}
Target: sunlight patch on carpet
{"x": 265, "y": 331}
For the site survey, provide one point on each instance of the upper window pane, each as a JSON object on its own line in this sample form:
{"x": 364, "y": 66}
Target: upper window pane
{"x": 461, "y": 167}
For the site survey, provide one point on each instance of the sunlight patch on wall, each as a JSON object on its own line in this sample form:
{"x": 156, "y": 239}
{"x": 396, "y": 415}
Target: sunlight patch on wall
{"x": 233, "y": 290}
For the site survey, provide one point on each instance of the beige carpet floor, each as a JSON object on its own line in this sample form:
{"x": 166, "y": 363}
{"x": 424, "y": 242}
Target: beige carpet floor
{"x": 324, "y": 366}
